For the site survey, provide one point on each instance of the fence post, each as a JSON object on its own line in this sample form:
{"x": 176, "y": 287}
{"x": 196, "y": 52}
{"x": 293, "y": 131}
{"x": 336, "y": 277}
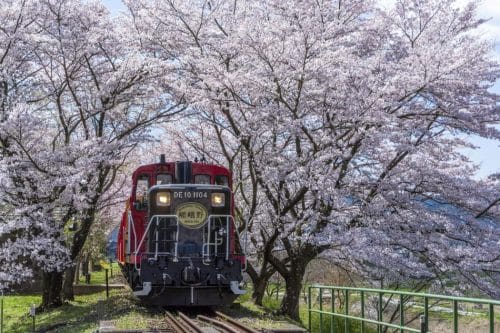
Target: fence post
{"x": 107, "y": 284}
{"x": 33, "y": 315}
{"x": 362, "y": 295}
{"x": 426, "y": 314}
{"x": 321, "y": 309}
{"x": 380, "y": 312}
{"x": 422, "y": 324}
{"x": 455, "y": 316}
{"x": 1, "y": 313}
{"x": 491, "y": 315}
{"x": 346, "y": 304}
{"x": 309, "y": 303}
{"x": 401, "y": 313}
{"x": 332, "y": 317}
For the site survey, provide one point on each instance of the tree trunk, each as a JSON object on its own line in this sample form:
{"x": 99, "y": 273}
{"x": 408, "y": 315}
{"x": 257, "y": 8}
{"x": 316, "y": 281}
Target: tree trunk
{"x": 53, "y": 282}
{"x": 77, "y": 273}
{"x": 69, "y": 277}
{"x": 52, "y": 285}
{"x": 260, "y": 280}
{"x": 85, "y": 266}
{"x": 259, "y": 289}
{"x": 293, "y": 280}
{"x": 290, "y": 303}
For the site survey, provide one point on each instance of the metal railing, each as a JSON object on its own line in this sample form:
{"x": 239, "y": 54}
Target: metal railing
{"x": 216, "y": 242}
{"x": 360, "y": 295}
{"x": 156, "y": 218}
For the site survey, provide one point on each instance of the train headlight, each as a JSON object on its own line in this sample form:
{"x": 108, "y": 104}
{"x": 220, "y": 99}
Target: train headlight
{"x": 163, "y": 199}
{"x": 218, "y": 200}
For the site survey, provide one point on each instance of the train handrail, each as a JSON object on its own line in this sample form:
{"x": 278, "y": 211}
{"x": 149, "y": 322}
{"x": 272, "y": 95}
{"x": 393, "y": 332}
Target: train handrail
{"x": 204, "y": 254}
{"x": 127, "y": 248}
{"x": 157, "y": 239}
{"x": 131, "y": 222}
{"x": 228, "y": 219}
{"x": 208, "y": 243}
{"x": 154, "y": 217}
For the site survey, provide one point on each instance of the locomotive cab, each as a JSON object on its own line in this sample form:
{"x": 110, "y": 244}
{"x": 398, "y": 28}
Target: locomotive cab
{"x": 183, "y": 251}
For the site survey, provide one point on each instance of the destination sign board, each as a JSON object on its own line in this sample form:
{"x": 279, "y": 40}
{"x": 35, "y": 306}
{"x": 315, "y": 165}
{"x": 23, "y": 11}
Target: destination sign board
{"x": 192, "y": 214}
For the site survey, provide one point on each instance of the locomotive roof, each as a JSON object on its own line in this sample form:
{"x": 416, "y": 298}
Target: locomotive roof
{"x": 169, "y": 166}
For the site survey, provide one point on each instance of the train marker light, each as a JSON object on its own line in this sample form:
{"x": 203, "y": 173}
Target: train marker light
{"x": 163, "y": 199}
{"x": 218, "y": 200}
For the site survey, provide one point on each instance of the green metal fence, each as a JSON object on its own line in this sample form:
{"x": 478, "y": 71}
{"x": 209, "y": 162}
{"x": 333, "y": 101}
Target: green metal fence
{"x": 347, "y": 297}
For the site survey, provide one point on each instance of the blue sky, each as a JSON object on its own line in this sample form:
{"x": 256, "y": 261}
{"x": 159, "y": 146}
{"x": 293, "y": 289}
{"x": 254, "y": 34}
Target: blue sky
{"x": 488, "y": 153}
{"x": 114, "y": 5}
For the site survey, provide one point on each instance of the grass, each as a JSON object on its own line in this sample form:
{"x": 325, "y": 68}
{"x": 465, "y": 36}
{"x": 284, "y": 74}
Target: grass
{"x": 323, "y": 323}
{"x": 266, "y": 316}
{"x": 262, "y": 317}
{"x": 99, "y": 277}
{"x": 80, "y": 315}
{"x": 17, "y": 319}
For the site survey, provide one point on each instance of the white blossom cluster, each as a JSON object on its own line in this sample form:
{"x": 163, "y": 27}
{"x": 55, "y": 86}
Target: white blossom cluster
{"x": 342, "y": 120}
{"x": 349, "y": 117}
{"x": 76, "y": 97}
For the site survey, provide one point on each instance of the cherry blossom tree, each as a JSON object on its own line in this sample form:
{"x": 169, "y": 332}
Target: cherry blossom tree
{"x": 349, "y": 116}
{"x": 492, "y": 189}
{"x": 16, "y": 70}
{"x": 79, "y": 99}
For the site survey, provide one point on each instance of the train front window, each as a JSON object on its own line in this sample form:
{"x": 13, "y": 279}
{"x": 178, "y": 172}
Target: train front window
{"x": 163, "y": 178}
{"x": 141, "y": 191}
{"x": 221, "y": 180}
{"x": 202, "y": 179}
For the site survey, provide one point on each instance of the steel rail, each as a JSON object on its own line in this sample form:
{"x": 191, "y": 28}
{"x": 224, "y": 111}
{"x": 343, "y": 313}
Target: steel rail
{"x": 191, "y": 324}
{"x": 236, "y": 323}
{"x": 183, "y": 324}
{"x": 175, "y": 324}
{"x": 227, "y": 328}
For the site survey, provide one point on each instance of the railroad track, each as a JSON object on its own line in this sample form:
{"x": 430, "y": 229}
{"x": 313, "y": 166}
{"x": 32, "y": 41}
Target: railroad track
{"x": 222, "y": 323}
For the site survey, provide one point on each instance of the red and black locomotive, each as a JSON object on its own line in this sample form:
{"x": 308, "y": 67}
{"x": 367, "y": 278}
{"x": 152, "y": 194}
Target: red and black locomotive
{"x": 176, "y": 243}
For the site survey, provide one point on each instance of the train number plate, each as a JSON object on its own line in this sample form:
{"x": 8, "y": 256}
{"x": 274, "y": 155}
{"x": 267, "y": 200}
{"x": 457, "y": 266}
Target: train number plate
{"x": 190, "y": 195}
{"x": 192, "y": 215}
